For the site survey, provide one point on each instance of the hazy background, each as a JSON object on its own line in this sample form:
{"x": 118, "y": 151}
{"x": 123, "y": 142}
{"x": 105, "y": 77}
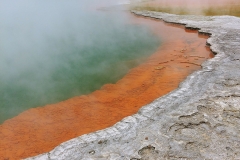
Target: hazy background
{"x": 51, "y": 50}
{"x": 192, "y": 7}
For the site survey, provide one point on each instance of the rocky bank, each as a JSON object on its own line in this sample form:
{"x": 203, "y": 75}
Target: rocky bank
{"x": 199, "y": 120}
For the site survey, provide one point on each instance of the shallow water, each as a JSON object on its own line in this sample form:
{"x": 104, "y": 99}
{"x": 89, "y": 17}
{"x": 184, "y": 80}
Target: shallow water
{"x": 51, "y": 51}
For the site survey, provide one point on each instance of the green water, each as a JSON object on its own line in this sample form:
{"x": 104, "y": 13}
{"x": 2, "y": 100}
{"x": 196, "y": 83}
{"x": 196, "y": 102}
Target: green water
{"x": 50, "y": 55}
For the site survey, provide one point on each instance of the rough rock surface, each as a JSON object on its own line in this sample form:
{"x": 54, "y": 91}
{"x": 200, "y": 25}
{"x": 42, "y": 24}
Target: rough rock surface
{"x": 199, "y": 120}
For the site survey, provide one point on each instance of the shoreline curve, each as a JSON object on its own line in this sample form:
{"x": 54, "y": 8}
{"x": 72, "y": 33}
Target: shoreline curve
{"x": 199, "y": 120}
{"x": 41, "y": 129}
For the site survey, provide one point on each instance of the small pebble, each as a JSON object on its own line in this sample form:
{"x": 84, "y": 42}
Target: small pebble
{"x": 92, "y": 152}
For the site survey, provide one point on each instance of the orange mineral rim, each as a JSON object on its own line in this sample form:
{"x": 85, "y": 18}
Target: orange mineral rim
{"x": 39, "y": 130}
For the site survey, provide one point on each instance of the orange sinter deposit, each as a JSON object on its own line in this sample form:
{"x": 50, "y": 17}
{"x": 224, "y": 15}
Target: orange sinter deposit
{"x": 39, "y": 130}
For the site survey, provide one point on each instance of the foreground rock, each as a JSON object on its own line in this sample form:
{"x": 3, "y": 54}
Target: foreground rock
{"x": 199, "y": 120}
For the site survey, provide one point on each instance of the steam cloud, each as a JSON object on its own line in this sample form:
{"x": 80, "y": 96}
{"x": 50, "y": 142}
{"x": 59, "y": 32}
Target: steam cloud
{"x": 53, "y": 50}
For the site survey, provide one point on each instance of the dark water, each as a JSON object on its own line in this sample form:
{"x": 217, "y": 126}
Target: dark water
{"x": 53, "y": 50}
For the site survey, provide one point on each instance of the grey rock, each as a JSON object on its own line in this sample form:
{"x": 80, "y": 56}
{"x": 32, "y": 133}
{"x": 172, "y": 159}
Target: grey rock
{"x": 199, "y": 120}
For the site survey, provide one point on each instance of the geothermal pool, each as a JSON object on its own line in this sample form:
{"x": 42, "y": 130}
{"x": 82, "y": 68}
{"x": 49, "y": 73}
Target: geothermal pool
{"x": 51, "y": 51}
{"x": 39, "y": 130}
{"x": 112, "y": 42}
